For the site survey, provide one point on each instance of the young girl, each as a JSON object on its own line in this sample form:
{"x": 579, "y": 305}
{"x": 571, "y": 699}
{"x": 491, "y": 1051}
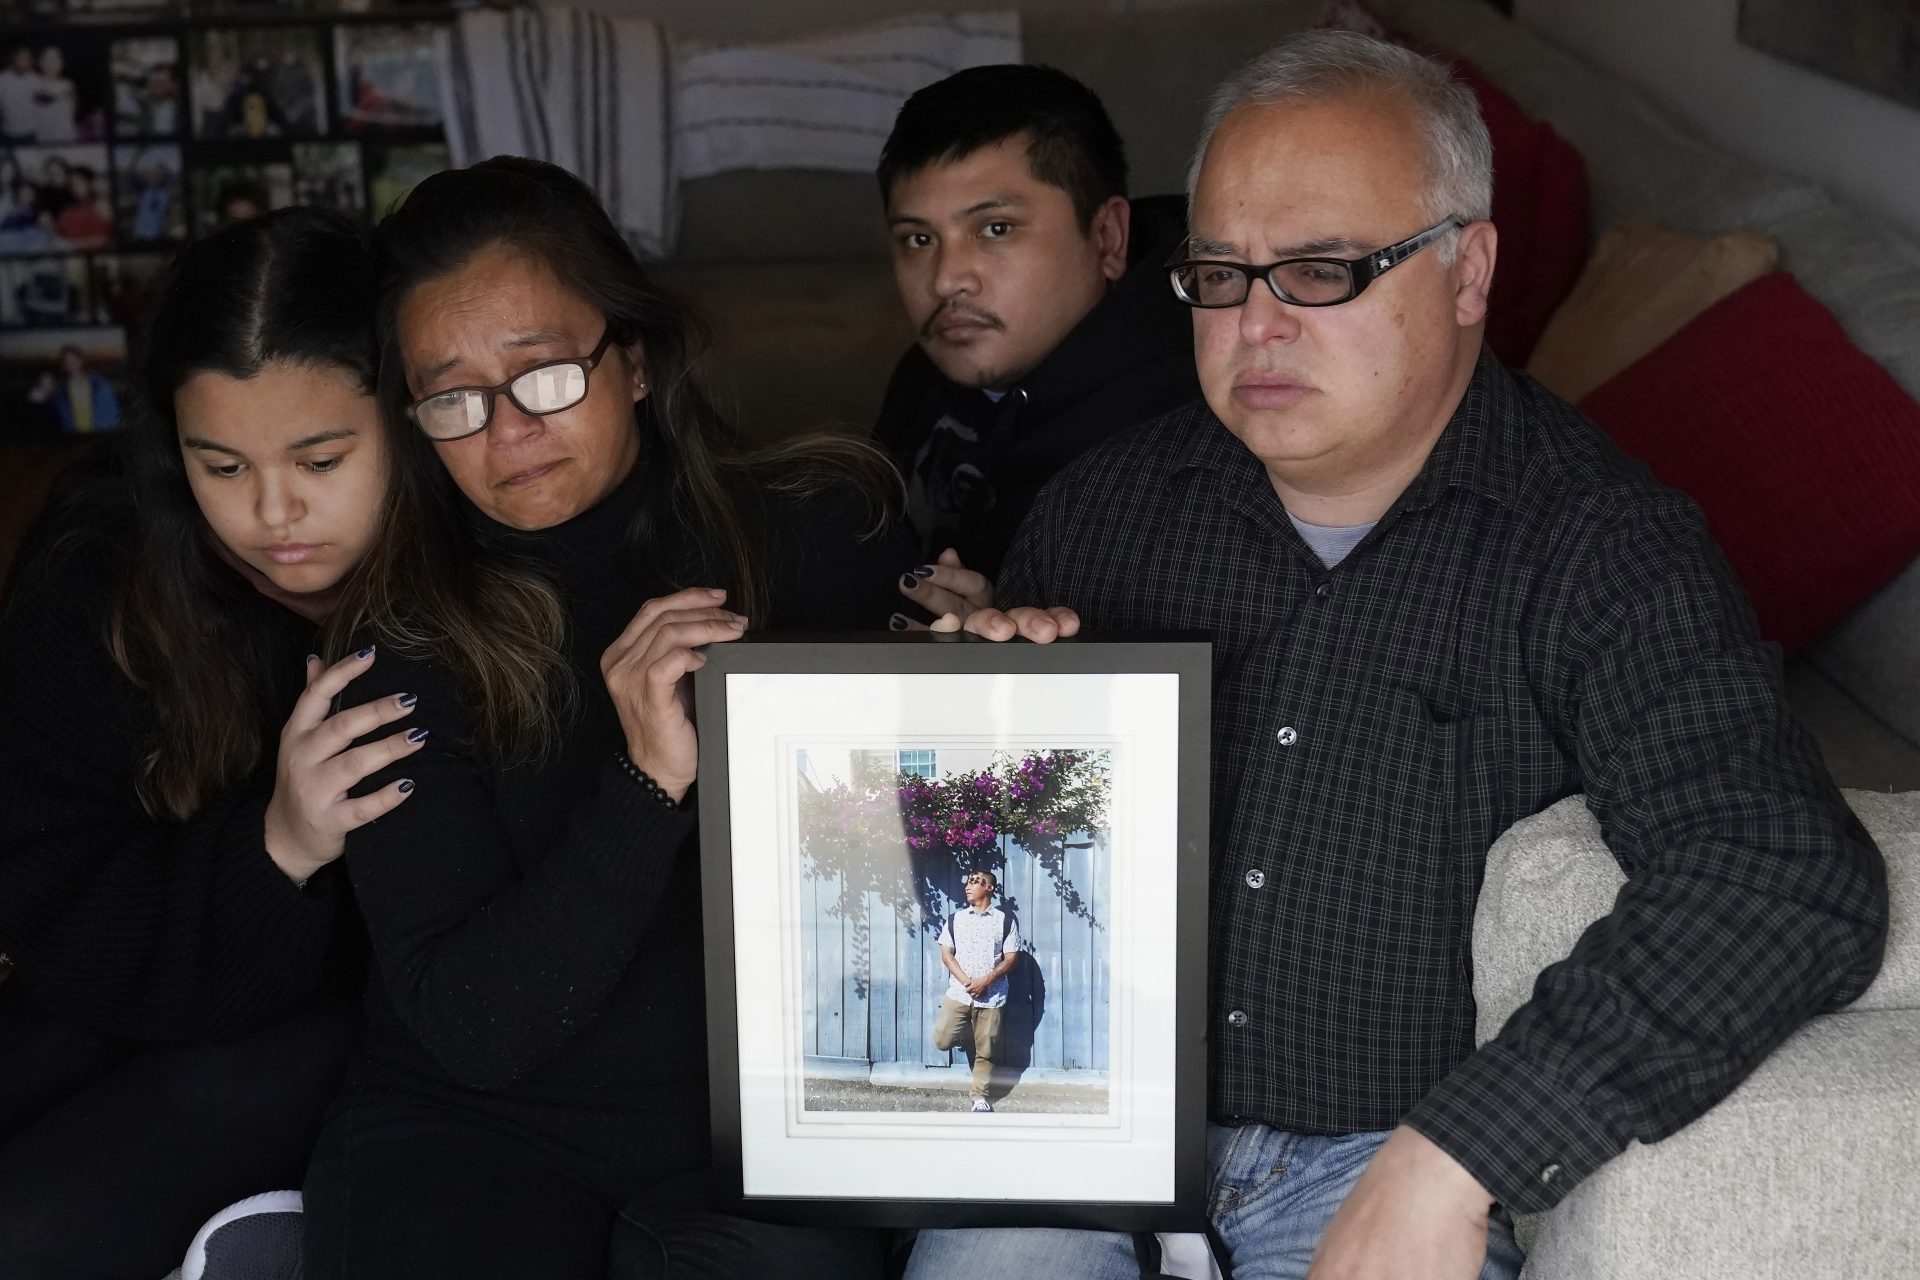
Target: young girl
{"x": 176, "y": 787}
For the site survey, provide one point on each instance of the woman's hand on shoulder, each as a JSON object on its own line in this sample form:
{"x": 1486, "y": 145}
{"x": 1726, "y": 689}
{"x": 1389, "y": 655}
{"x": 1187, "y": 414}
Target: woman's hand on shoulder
{"x": 311, "y": 811}
{"x": 647, "y": 670}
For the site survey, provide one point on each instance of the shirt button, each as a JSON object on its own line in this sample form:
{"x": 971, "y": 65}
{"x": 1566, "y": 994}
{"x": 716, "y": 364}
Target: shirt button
{"x": 1288, "y": 735}
{"x": 1324, "y": 590}
{"x": 1549, "y": 1173}
{"x": 1237, "y": 1019}
{"x": 1256, "y": 878}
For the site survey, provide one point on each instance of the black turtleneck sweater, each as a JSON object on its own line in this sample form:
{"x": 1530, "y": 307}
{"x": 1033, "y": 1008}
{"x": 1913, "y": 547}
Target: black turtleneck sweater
{"x": 536, "y": 929}
{"x": 121, "y": 922}
{"x": 974, "y": 465}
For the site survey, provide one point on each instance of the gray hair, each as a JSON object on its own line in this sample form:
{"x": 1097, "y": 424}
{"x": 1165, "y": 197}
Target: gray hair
{"x": 1318, "y": 65}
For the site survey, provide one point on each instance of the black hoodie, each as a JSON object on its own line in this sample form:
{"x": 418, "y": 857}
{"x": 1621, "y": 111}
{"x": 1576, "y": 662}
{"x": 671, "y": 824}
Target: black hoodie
{"x": 973, "y": 467}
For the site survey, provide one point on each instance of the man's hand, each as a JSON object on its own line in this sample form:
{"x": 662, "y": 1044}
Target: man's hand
{"x": 1042, "y": 626}
{"x": 943, "y": 587}
{"x": 977, "y": 987}
{"x": 1415, "y": 1214}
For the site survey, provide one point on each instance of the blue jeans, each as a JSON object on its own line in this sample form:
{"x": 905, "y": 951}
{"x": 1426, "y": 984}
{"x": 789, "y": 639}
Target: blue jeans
{"x": 1270, "y": 1195}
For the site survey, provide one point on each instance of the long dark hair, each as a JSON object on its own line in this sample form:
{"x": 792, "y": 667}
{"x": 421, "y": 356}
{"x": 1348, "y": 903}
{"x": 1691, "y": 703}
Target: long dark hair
{"x": 696, "y": 479}
{"x": 295, "y": 286}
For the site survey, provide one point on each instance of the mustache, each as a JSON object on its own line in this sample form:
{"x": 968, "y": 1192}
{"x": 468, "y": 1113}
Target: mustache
{"x": 978, "y": 315}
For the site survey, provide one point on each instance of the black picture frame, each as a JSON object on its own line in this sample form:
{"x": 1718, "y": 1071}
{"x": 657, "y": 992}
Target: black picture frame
{"x": 1187, "y": 658}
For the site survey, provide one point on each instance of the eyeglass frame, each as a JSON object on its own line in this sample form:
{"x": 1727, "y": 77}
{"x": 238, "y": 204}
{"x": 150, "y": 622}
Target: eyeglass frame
{"x": 1361, "y": 271}
{"x": 587, "y": 365}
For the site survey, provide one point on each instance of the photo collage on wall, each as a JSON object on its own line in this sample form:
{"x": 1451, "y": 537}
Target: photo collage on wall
{"x": 130, "y": 127}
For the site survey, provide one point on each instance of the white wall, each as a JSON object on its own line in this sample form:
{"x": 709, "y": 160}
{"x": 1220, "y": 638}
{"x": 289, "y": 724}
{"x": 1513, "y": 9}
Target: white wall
{"x": 1685, "y": 55}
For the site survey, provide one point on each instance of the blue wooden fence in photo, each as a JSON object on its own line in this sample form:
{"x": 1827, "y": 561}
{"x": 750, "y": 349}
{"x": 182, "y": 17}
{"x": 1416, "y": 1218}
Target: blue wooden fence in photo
{"x": 872, "y": 983}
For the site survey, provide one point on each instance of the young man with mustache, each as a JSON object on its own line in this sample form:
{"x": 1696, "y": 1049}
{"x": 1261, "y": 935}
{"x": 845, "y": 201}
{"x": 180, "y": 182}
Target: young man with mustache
{"x": 1044, "y": 324}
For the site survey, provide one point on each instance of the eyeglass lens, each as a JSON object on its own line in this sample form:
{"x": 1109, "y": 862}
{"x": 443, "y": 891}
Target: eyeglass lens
{"x": 547, "y": 389}
{"x": 1226, "y": 284}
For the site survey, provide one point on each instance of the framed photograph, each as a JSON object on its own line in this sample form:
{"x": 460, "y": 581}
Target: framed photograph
{"x": 259, "y": 82}
{"x": 45, "y": 293}
{"x": 122, "y": 10}
{"x": 395, "y": 170}
{"x": 62, "y": 380}
{"x": 53, "y": 87}
{"x": 955, "y": 906}
{"x": 388, "y": 77}
{"x": 126, "y": 285}
{"x": 54, "y": 200}
{"x": 1873, "y": 44}
{"x": 147, "y": 90}
{"x": 150, "y": 194}
{"x": 225, "y": 193}
{"x": 328, "y": 174}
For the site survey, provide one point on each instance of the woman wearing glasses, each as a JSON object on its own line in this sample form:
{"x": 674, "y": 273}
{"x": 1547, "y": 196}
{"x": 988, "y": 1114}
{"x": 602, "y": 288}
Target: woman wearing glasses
{"x": 175, "y": 783}
{"x": 532, "y": 1100}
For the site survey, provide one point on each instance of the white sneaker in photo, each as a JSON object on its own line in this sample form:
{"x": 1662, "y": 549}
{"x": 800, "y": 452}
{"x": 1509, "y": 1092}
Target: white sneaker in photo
{"x": 258, "y": 1238}
{"x": 981, "y": 1105}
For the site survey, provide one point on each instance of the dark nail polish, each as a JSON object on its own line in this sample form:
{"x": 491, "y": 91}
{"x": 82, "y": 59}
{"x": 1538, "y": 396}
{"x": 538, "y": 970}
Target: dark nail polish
{"x": 365, "y": 653}
{"x": 407, "y": 699}
{"x": 416, "y": 735}
{"x": 406, "y": 785}
{"x": 924, "y": 571}
{"x": 898, "y": 622}
{"x": 908, "y": 581}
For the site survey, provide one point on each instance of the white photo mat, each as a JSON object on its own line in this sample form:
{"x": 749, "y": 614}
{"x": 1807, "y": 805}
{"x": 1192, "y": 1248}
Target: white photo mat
{"x": 1124, "y": 1156}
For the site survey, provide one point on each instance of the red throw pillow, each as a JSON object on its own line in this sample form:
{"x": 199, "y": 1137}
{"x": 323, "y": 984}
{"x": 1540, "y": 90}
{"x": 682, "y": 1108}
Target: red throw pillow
{"x": 1540, "y": 205}
{"x": 1803, "y": 453}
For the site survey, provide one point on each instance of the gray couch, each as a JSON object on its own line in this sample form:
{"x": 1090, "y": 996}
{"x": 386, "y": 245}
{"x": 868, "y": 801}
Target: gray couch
{"x": 793, "y": 267}
{"x": 1811, "y": 1168}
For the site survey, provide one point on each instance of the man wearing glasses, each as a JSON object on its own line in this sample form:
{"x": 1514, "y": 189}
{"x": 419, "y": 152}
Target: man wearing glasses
{"x": 979, "y": 945}
{"x": 1037, "y": 299}
{"x": 1440, "y": 601}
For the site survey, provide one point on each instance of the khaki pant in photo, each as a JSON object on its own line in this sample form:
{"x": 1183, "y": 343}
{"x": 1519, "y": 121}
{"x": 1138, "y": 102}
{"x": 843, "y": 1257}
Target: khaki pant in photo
{"x": 951, "y": 1027}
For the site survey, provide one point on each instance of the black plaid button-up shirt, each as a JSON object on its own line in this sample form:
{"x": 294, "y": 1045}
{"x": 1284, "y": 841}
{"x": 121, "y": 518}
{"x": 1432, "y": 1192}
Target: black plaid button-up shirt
{"x": 1532, "y": 619}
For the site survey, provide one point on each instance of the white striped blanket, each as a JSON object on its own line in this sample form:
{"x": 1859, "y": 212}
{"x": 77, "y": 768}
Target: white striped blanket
{"x": 588, "y": 91}
{"x": 824, "y": 100}
{"x": 614, "y": 100}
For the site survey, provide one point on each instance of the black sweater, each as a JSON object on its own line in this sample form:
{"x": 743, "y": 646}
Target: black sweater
{"x": 129, "y": 925}
{"x": 536, "y": 929}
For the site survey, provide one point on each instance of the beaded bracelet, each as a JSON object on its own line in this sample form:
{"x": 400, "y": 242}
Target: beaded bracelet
{"x": 639, "y": 775}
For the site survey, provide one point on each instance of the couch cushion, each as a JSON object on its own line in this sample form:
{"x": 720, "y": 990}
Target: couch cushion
{"x": 780, "y": 215}
{"x": 798, "y": 346}
{"x": 1550, "y": 876}
{"x": 1807, "y": 1169}
{"x": 1642, "y": 166}
{"x": 1642, "y": 285}
{"x": 1803, "y": 453}
{"x": 1861, "y": 749}
{"x": 1871, "y": 654}
{"x": 1540, "y": 205}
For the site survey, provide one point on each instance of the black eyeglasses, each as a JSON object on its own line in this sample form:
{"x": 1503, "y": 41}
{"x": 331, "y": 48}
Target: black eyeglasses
{"x": 458, "y": 412}
{"x": 1304, "y": 282}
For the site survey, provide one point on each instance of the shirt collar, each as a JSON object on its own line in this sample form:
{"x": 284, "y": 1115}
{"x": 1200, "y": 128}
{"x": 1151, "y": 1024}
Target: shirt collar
{"x": 1472, "y": 452}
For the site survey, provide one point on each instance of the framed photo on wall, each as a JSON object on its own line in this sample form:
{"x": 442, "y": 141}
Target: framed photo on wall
{"x": 955, "y": 899}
